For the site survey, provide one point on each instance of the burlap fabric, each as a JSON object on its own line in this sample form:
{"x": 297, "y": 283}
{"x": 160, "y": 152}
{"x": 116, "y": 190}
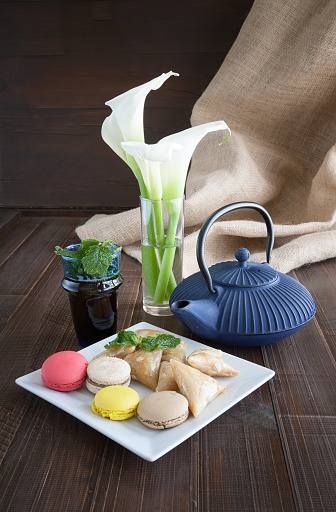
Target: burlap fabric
{"x": 276, "y": 91}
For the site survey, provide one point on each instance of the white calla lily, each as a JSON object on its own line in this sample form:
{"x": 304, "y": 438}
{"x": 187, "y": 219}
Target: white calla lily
{"x": 149, "y": 158}
{"x": 174, "y": 173}
{"x": 125, "y": 123}
{"x": 164, "y": 165}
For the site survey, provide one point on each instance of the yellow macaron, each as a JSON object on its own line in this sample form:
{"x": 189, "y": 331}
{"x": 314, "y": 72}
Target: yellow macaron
{"x": 116, "y": 402}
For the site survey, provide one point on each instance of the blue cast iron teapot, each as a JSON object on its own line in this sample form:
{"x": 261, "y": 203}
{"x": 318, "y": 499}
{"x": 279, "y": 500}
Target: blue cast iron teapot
{"x": 240, "y": 302}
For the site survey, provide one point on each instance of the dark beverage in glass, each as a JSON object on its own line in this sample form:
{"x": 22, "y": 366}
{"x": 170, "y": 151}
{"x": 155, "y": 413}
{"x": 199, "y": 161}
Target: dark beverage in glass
{"x": 93, "y": 299}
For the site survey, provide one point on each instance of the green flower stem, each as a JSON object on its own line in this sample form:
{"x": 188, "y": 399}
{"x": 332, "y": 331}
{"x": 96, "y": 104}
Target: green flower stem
{"x": 150, "y": 264}
{"x": 171, "y": 284}
{"x": 168, "y": 257}
{"x": 160, "y": 237}
{"x": 157, "y": 205}
{"x": 150, "y": 269}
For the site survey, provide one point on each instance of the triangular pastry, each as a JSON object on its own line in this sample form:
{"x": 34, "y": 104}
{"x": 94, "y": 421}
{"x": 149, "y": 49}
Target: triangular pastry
{"x": 179, "y": 353}
{"x": 145, "y": 366}
{"x": 167, "y": 380}
{"x": 198, "y": 388}
{"x": 210, "y": 361}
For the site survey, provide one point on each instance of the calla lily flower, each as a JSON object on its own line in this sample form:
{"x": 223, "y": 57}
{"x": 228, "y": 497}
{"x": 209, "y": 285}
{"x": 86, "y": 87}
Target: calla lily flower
{"x": 149, "y": 158}
{"x": 174, "y": 173}
{"x": 126, "y": 120}
{"x": 164, "y": 165}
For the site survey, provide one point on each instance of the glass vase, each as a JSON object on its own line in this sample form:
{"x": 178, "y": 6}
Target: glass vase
{"x": 162, "y": 232}
{"x": 93, "y": 299}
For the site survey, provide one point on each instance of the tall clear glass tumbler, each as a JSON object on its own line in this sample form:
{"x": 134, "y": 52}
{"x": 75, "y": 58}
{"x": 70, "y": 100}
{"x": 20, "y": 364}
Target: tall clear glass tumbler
{"x": 162, "y": 234}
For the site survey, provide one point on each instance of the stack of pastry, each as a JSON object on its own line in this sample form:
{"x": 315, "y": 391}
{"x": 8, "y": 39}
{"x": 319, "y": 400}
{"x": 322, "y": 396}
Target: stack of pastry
{"x": 171, "y": 370}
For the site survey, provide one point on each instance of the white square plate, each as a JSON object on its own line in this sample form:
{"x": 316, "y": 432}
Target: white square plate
{"x": 148, "y": 443}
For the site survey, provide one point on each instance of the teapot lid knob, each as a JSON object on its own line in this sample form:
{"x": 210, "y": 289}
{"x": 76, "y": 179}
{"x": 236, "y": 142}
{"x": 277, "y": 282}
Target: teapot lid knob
{"x": 242, "y": 255}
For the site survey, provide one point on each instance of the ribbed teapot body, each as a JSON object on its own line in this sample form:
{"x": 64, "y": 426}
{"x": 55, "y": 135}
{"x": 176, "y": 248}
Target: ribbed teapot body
{"x": 250, "y": 307}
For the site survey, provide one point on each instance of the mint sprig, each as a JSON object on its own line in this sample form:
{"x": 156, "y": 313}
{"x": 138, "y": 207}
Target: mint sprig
{"x": 65, "y": 252}
{"x": 162, "y": 341}
{"x": 124, "y": 338}
{"x": 148, "y": 343}
{"x": 97, "y": 259}
{"x": 95, "y": 256}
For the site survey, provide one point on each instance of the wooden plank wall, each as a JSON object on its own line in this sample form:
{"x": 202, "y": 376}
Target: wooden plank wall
{"x": 60, "y": 61}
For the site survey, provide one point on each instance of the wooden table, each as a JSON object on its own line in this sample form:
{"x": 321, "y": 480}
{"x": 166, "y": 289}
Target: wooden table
{"x": 273, "y": 451}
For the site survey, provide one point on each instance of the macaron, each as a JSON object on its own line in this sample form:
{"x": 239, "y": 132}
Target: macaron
{"x": 163, "y": 409}
{"x": 107, "y": 371}
{"x": 64, "y": 371}
{"x": 116, "y": 402}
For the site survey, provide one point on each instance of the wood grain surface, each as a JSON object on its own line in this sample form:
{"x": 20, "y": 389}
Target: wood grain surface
{"x": 273, "y": 451}
{"x": 60, "y": 61}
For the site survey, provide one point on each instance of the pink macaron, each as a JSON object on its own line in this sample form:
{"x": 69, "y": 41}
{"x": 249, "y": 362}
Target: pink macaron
{"x": 64, "y": 371}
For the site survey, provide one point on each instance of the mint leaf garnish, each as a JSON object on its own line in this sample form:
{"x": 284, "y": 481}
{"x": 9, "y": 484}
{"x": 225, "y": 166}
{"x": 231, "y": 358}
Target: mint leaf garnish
{"x": 97, "y": 259}
{"x": 124, "y": 338}
{"x": 95, "y": 256}
{"x": 64, "y": 252}
{"x": 85, "y": 246}
{"x": 149, "y": 343}
{"x": 162, "y": 341}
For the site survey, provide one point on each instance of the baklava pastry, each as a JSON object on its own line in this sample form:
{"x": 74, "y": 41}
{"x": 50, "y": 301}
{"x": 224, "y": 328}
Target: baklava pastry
{"x": 145, "y": 366}
{"x": 179, "y": 353}
{"x": 198, "y": 388}
{"x": 210, "y": 361}
{"x": 167, "y": 380}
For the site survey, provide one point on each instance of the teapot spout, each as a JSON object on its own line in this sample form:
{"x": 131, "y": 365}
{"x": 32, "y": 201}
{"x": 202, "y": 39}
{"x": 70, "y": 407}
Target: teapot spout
{"x": 180, "y": 305}
{"x": 200, "y": 316}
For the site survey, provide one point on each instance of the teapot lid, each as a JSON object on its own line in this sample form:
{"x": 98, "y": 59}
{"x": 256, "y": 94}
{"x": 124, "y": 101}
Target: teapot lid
{"x": 242, "y": 272}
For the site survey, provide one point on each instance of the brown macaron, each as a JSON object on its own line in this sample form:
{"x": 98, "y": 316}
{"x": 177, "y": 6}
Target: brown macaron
{"x": 163, "y": 409}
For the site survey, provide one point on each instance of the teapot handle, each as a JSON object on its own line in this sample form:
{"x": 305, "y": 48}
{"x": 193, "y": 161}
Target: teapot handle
{"x": 216, "y": 215}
